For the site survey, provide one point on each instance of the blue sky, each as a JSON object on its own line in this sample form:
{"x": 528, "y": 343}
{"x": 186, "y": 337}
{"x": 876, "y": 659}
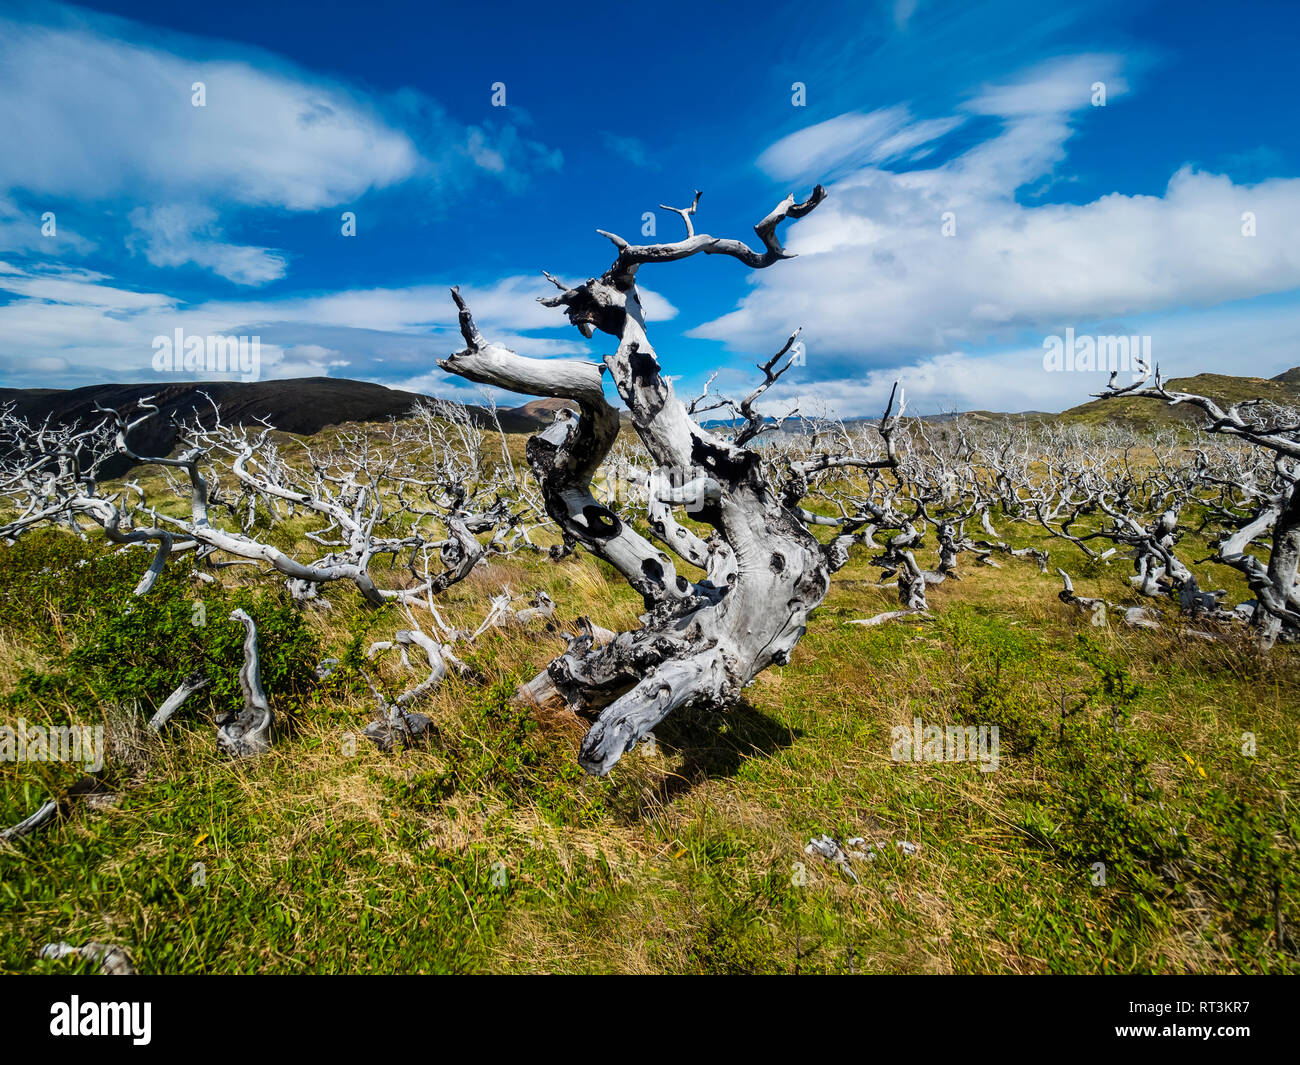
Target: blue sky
{"x": 226, "y": 219}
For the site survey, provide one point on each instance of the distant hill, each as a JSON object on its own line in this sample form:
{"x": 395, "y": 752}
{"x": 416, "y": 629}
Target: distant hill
{"x": 980, "y": 416}
{"x": 306, "y": 405}
{"x": 1284, "y": 390}
{"x": 302, "y": 406}
{"x": 544, "y": 409}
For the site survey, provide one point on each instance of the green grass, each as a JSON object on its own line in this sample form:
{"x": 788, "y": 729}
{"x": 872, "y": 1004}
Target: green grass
{"x": 1222, "y": 388}
{"x": 488, "y": 850}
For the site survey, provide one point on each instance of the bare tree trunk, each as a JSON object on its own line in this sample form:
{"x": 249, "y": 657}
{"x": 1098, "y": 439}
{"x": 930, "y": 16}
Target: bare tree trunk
{"x": 191, "y": 684}
{"x": 703, "y": 641}
{"x": 1275, "y": 431}
{"x": 248, "y": 731}
{"x": 1279, "y": 594}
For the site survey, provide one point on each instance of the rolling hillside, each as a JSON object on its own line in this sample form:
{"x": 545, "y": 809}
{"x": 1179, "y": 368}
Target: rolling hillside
{"x": 302, "y": 406}
{"x": 1284, "y": 390}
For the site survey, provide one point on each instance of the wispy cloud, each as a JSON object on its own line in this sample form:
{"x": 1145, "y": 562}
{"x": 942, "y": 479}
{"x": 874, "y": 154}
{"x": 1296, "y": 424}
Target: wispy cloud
{"x": 116, "y": 117}
{"x": 113, "y": 112}
{"x": 630, "y": 150}
{"x": 1053, "y": 87}
{"x": 903, "y": 12}
{"x": 829, "y": 148}
{"x": 100, "y": 331}
{"x": 28, "y": 232}
{"x": 177, "y": 234}
{"x": 918, "y": 263}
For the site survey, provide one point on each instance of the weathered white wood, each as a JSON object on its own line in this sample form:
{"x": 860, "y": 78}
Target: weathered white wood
{"x": 893, "y": 615}
{"x": 28, "y": 825}
{"x": 113, "y": 961}
{"x": 191, "y": 684}
{"x": 702, "y": 641}
{"x": 247, "y": 731}
{"x": 1276, "y": 432}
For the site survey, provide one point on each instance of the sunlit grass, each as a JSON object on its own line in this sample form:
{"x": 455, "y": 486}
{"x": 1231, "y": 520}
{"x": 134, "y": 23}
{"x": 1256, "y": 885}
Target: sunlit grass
{"x": 487, "y": 849}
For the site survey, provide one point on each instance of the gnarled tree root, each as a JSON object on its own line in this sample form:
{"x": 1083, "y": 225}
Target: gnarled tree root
{"x": 247, "y": 731}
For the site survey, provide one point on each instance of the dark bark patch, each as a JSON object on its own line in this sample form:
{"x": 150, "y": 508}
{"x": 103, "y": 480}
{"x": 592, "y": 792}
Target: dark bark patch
{"x": 718, "y": 461}
{"x": 645, "y": 370}
{"x": 602, "y": 523}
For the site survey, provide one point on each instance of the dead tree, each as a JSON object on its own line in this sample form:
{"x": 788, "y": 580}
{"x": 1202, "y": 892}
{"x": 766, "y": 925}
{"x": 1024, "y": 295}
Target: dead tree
{"x": 248, "y": 730}
{"x": 1276, "y": 510}
{"x": 1099, "y": 609}
{"x": 700, "y": 641}
{"x": 113, "y": 961}
{"x": 397, "y": 723}
{"x": 418, "y": 489}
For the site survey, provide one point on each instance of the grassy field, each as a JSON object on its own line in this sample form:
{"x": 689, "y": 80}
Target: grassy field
{"x": 488, "y": 850}
{"x": 1225, "y": 390}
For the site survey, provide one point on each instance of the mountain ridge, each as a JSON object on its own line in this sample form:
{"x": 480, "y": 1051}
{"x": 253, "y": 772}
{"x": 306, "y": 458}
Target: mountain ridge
{"x": 306, "y": 405}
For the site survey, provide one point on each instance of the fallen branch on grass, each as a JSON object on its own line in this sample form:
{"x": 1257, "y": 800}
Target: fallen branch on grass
{"x": 191, "y": 684}
{"x": 29, "y": 825}
{"x": 113, "y": 961}
{"x": 1098, "y": 609}
{"x": 893, "y": 615}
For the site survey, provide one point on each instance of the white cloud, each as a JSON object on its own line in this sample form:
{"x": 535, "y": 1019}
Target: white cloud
{"x": 49, "y": 364}
{"x": 1239, "y": 340}
{"x": 903, "y": 12}
{"x": 102, "y": 332}
{"x": 877, "y": 283}
{"x": 437, "y": 382}
{"x": 298, "y": 360}
{"x": 177, "y": 234}
{"x": 114, "y": 118}
{"x": 630, "y": 150}
{"x": 100, "y": 110}
{"x": 852, "y": 139}
{"x": 504, "y": 152}
{"x": 483, "y": 155}
{"x": 505, "y": 308}
{"x": 82, "y": 288}
{"x": 1054, "y": 87}
{"x": 24, "y": 231}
